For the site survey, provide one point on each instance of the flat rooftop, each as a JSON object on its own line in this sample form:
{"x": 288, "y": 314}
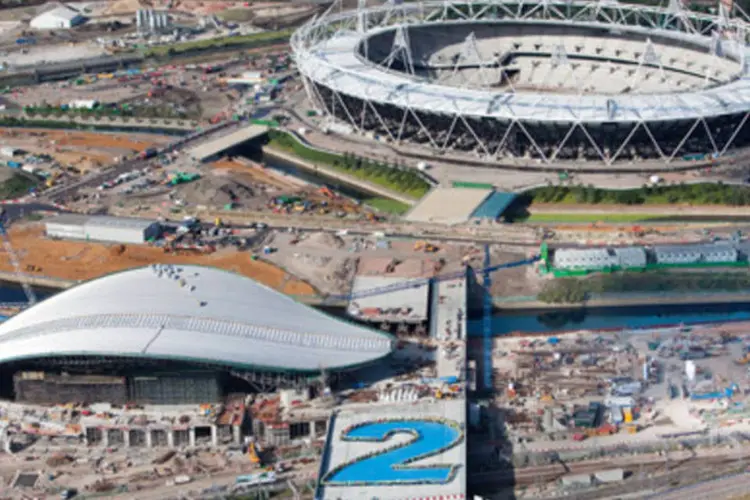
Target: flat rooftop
{"x": 448, "y": 205}
{"x": 413, "y": 299}
{"x": 339, "y": 451}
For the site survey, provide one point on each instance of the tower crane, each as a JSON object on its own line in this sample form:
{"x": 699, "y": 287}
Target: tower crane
{"x": 30, "y": 295}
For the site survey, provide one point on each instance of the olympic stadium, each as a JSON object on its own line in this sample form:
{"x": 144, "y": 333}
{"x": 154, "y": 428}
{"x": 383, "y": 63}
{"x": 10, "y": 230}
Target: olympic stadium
{"x": 160, "y": 324}
{"x": 546, "y": 82}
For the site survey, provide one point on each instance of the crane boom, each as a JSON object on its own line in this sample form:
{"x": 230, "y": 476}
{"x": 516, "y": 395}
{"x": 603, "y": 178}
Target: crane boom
{"x": 418, "y": 282}
{"x": 30, "y": 295}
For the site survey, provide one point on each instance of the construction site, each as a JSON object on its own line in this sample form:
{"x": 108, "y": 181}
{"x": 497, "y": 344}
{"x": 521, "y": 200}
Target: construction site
{"x": 574, "y": 397}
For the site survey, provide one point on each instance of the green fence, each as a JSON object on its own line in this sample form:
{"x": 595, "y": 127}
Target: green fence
{"x": 472, "y": 185}
{"x": 568, "y": 273}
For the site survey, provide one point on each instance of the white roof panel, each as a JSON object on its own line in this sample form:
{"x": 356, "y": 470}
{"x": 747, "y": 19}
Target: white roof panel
{"x": 336, "y": 64}
{"x": 190, "y": 313}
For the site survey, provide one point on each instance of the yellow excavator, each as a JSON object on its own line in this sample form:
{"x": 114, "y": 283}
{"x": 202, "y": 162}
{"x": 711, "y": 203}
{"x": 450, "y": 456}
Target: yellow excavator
{"x": 252, "y": 454}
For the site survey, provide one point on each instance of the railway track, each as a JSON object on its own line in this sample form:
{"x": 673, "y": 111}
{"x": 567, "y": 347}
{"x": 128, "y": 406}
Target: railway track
{"x": 636, "y": 465}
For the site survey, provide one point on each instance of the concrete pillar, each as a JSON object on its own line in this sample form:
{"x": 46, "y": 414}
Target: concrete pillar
{"x": 85, "y": 435}
{"x": 170, "y": 438}
{"x": 214, "y": 436}
{"x": 191, "y": 437}
{"x": 126, "y": 438}
{"x": 149, "y": 439}
{"x": 236, "y": 434}
{"x": 312, "y": 429}
{"x": 105, "y": 438}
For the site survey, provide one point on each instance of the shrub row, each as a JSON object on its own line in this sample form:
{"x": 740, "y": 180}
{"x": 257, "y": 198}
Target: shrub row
{"x": 395, "y": 177}
{"x": 577, "y": 290}
{"x": 697, "y": 194}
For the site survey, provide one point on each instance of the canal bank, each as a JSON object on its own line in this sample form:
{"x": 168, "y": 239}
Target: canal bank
{"x": 506, "y": 304}
{"x": 338, "y": 177}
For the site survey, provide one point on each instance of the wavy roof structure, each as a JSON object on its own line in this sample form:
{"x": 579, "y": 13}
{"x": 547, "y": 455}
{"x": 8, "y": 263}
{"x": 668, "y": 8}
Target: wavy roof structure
{"x": 189, "y": 313}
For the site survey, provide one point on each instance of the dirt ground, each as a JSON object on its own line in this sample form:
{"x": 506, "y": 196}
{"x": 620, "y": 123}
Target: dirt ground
{"x": 73, "y": 260}
{"x": 137, "y": 142}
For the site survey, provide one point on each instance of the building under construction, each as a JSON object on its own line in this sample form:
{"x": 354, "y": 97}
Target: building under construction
{"x": 178, "y": 388}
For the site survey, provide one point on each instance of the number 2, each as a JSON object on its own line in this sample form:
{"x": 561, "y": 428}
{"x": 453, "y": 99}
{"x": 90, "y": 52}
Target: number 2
{"x": 391, "y": 465}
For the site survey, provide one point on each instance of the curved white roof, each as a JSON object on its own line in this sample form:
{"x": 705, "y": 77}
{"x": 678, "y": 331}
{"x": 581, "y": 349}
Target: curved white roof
{"x": 330, "y": 58}
{"x": 188, "y": 313}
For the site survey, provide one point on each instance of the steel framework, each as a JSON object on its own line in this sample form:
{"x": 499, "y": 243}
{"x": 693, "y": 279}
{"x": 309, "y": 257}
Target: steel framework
{"x": 339, "y": 55}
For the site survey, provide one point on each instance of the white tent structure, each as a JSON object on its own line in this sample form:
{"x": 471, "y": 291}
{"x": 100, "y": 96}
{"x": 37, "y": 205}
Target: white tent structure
{"x": 61, "y": 17}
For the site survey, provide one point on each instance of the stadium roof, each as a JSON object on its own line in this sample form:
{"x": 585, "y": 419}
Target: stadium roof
{"x": 335, "y": 64}
{"x": 189, "y": 313}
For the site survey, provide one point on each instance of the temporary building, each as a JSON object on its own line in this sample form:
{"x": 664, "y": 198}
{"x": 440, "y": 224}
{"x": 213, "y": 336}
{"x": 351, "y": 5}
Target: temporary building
{"x": 690, "y": 254}
{"x": 102, "y": 228}
{"x": 8, "y": 151}
{"x": 62, "y": 17}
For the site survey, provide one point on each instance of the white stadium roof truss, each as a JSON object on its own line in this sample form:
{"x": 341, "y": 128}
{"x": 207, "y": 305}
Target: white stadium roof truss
{"x": 351, "y": 87}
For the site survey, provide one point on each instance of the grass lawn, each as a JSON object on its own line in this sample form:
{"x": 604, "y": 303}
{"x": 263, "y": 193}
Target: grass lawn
{"x": 584, "y": 218}
{"x": 398, "y": 180}
{"x": 256, "y": 39}
{"x": 626, "y": 218}
{"x": 15, "y": 187}
{"x": 693, "y": 194}
{"x": 387, "y": 205}
{"x": 236, "y": 15}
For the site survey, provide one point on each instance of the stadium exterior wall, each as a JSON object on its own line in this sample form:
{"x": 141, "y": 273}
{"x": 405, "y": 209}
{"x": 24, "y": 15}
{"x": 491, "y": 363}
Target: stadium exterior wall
{"x": 497, "y": 125}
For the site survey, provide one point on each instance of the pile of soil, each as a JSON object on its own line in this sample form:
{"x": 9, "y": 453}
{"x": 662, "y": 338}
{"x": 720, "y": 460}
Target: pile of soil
{"x": 208, "y": 191}
{"x": 326, "y": 240}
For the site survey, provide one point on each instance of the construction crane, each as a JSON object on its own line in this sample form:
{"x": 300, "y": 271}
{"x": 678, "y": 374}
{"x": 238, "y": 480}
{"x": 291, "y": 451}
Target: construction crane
{"x": 487, "y": 319}
{"x": 30, "y": 295}
{"x": 419, "y": 282}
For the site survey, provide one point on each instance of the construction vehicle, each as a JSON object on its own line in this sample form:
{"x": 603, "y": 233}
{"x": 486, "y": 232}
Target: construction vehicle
{"x": 627, "y": 414}
{"x": 253, "y": 454}
{"x": 327, "y": 192}
{"x": 603, "y": 430}
{"x": 423, "y": 246}
{"x": 182, "y": 178}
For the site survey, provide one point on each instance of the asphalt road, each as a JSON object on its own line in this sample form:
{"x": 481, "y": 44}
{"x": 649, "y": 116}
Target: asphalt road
{"x": 58, "y": 195}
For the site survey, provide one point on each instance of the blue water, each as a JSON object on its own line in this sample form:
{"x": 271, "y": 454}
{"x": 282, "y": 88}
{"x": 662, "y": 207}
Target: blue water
{"x": 11, "y": 292}
{"x": 612, "y": 318}
{"x": 392, "y": 466}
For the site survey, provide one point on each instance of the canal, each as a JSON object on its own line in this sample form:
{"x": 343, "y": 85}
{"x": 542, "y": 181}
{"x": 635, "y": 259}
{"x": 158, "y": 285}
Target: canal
{"x": 603, "y": 318}
{"x": 547, "y": 321}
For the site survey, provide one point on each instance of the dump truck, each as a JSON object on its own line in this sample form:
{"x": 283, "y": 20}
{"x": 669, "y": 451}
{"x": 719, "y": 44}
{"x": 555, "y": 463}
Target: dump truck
{"x": 603, "y": 430}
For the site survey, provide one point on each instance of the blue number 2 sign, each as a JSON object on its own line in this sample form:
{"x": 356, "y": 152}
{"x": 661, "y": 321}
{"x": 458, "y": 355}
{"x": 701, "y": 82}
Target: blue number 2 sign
{"x": 391, "y": 465}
